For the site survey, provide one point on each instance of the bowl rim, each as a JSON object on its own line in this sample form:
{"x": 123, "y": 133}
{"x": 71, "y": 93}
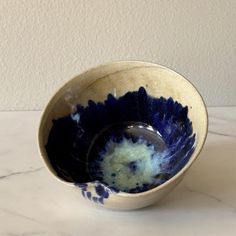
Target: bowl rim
{"x": 121, "y": 193}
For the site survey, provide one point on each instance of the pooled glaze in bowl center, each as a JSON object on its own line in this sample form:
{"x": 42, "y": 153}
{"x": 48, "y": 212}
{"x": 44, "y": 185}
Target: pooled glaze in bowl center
{"x": 127, "y": 156}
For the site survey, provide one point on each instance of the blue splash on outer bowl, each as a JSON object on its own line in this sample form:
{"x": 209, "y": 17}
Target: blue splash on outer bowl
{"x": 71, "y": 136}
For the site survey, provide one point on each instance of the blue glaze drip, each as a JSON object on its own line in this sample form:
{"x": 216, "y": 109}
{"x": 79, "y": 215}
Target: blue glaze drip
{"x": 101, "y": 191}
{"x": 69, "y": 144}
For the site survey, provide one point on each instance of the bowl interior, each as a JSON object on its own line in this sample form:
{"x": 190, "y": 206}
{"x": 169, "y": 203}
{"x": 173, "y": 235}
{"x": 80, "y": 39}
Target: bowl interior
{"x": 119, "y": 78}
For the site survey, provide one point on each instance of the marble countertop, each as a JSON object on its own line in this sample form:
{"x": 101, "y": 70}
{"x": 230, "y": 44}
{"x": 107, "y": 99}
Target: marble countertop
{"x": 32, "y": 202}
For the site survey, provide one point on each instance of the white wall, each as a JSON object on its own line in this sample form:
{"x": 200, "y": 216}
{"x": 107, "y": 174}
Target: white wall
{"x": 45, "y": 43}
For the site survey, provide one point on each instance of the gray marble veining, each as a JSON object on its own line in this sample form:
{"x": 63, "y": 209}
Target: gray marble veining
{"x": 20, "y": 173}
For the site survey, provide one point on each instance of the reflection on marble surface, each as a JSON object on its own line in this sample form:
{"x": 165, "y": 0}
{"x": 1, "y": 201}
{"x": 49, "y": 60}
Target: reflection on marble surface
{"x": 33, "y": 203}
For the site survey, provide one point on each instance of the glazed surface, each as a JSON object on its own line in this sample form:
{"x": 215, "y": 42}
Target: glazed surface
{"x": 125, "y": 157}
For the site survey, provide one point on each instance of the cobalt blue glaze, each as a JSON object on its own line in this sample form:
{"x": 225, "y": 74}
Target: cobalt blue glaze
{"x": 71, "y": 136}
{"x": 101, "y": 192}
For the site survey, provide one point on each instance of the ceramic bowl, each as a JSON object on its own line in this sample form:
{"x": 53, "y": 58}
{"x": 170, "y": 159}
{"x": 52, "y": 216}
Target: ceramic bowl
{"x": 138, "y": 113}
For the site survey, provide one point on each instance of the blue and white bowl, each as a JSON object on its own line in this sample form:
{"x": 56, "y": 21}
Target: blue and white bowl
{"x": 123, "y": 133}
